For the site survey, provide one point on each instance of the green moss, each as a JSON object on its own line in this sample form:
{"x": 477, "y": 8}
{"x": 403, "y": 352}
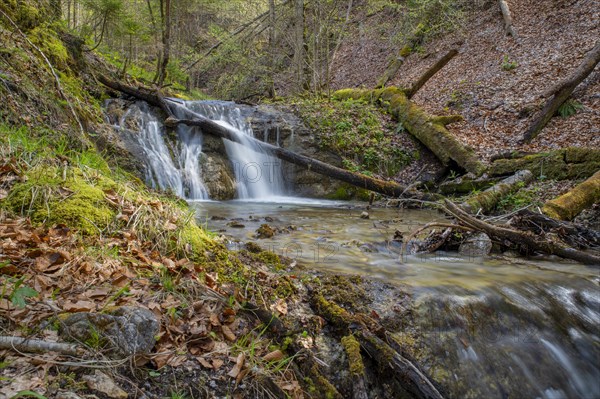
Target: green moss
{"x": 581, "y": 155}
{"x": 332, "y": 312}
{"x": 352, "y": 348}
{"x": 271, "y": 259}
{"x": 326, "y": 389}
{"x": 27, "y": 16}
{"x": 76, "y": 202}
{"x": 193, "y": 241}
{"x": 569, "y": 163}
{"x": 48, "y": 41}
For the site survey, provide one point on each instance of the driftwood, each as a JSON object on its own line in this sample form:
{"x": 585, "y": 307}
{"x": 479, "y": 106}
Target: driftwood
{"x": 573, "y": 234}
{"x": 508, "y": 24}
{"x": 488, "y": 199}
{"x": 528, "y": 242}
{"x": 430, "y": 72}
{"x": 561, "y": 93}
{"x": 356, "y": 365}
{"x": 426, "y": 128}
{"x": 208, "y": 126}
{"x": 569, "y": 205}
{"x": 408, "y": 375}
{"x": 36, "y": 345}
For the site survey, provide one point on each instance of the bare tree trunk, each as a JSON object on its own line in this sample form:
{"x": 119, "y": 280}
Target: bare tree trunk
{"x": 562, "y": 92}
{"x": 508, "y": 24}
{"x": 165, "y": 9}
{"x": 299, "y": 49}
{"x": 272, "y": 48}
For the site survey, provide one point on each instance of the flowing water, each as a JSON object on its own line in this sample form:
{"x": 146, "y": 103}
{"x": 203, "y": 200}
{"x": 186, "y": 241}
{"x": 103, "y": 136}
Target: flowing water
{"x": 177, "y": 167}
{"x": 494, "y": 328}
{"x": 489, "y": 328}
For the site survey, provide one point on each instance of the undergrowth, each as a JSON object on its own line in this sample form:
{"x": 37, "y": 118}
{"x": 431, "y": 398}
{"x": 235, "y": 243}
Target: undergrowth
{"x": 365, "y": 138}
{"x": 58, "y": 183}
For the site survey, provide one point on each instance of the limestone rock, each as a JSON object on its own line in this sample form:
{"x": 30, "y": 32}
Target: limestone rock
{"x": 128, "y": 330}
{"x": 476, "y": 245}
{"x": 102, "y": 383}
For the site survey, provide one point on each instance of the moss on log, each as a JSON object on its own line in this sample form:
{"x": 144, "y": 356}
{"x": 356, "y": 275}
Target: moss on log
{"x": 569, "y": 205}
{"x": 428, "y": 129}
{"x": 487, "y": 200}
{"x": 566, "y": 163}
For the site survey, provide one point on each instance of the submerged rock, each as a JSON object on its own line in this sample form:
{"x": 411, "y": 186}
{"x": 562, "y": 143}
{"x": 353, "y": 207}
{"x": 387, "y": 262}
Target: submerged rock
{"x": 265, "y": 231}
{"x": 476, "y": 245}
{"x": 127, "y": 330}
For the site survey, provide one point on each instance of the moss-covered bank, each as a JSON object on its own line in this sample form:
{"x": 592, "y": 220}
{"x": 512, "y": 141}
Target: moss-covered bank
{"x": 428, "y": 129}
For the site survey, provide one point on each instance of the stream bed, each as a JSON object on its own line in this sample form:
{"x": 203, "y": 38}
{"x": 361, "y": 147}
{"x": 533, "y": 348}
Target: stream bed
{"x": 503, "y": 327}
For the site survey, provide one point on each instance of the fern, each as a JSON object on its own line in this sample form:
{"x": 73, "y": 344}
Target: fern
{"x": 569, "y": 108}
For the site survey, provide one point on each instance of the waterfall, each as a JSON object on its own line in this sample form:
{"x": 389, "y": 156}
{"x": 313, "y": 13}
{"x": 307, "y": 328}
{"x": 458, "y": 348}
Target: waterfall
{"x": 177, "y": 166}
{"x": 258, "y": 174}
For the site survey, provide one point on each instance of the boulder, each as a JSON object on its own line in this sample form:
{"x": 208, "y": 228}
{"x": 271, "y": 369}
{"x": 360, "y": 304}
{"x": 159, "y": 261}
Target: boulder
{"x": 475, "y": 246}
{"x": 126, "y": 330}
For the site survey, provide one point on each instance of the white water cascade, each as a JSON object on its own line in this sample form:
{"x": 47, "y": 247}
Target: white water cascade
{"x": 176, "y": 167}
{"x": 258, "y": 174}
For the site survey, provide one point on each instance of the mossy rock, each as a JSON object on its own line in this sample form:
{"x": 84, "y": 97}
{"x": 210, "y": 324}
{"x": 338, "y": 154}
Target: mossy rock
{"x": 347, "y": 192}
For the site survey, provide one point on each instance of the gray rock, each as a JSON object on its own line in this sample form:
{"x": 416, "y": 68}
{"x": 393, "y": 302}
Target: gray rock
{"x": 128, "y": 330}
{"x": 102, "y": 383}
{"x": 476, "y": 245}
{"x": 364, "y": 215}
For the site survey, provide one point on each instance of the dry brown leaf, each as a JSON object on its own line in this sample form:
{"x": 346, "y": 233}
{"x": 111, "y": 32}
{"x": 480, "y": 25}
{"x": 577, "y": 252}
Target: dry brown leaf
{"x": 227, "y": 333}
{"x": 79, "y": 306}
{"x": 217, "y": 363}
{"x": 273, "y": 356}
{"x": 280, "y": 306}
{"x": 204, "y": 362}
{"x": 239, "y": 365}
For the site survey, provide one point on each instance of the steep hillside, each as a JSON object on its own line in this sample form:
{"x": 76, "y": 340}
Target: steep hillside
{"x": 496, "y": 81}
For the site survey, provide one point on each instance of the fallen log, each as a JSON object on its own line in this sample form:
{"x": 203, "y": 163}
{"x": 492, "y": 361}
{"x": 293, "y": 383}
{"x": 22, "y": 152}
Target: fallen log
{"x": 562, "y": 92}
{"x": 569, "y": 205}
{"x": 388, "y": 188}
{"x": 391, "y": 362}
{"x": 488, "y": 199}
{"x": 391, "y": 189}
{"x": 433, "y": 134}
{"x": 508, "y": 24}
{"x": 526, "y": 241}
{"x": 573, "y": 234}
{"x": 430, "y": 72}
{"x": 356, "y": 366}
{"x": 394, "y": 66}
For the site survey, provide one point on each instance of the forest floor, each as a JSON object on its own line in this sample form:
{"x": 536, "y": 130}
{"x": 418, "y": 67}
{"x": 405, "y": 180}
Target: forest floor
{"x": 496, "y": 81}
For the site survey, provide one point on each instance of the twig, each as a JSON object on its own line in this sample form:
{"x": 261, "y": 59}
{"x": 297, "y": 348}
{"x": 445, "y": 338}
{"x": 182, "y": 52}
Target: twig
{"x": 36, "y": 345}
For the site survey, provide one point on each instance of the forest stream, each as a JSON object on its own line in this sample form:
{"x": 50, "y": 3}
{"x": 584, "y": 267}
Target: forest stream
{"x": 494, "y": 327}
